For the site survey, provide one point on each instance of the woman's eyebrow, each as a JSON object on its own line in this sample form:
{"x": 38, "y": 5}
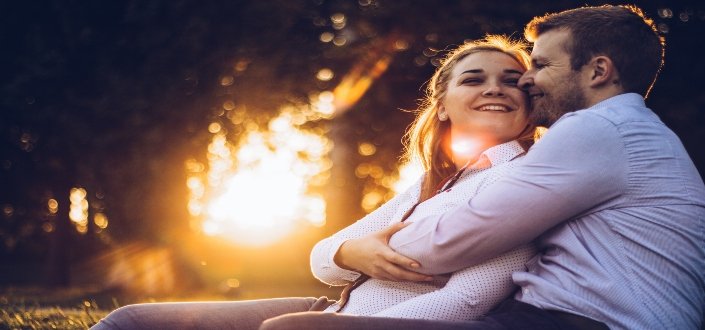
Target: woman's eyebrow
{"x": 512, "y": 71}
{"x": 472, "y": 71}
{"x": 481, "y": 70}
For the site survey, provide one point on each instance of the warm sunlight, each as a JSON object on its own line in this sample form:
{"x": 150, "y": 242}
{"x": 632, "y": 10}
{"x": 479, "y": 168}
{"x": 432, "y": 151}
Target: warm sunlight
{"x": 260, "y": 189}
{"x": 257, "y": 186}
{"x": 409, "y": 173}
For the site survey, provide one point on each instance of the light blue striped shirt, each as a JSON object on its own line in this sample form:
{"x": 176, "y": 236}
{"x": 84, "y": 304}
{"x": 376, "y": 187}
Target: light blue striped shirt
{"x": 632, "y": 253}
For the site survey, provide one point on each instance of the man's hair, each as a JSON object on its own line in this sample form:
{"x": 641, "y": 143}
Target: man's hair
{"x": 622, "y": 33}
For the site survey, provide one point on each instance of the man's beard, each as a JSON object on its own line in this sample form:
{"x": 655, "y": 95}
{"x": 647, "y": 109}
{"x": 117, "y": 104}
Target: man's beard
{"x": 550, "y": 107}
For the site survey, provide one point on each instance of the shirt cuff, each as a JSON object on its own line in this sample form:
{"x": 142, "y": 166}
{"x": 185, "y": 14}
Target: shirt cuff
{"x": 348, "y": 275}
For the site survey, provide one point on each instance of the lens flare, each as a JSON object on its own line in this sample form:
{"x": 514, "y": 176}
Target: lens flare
{"x": 356, "y": 83}
{"x": 466, "y": 147}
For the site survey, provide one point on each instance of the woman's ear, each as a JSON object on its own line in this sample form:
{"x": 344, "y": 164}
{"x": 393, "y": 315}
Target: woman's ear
{"x": 442, "y": 114}
{"x": 602, "y": 72}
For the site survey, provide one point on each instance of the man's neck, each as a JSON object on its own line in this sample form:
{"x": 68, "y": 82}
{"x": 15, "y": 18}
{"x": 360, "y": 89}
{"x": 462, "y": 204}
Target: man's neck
{"x": 598, "y": 95}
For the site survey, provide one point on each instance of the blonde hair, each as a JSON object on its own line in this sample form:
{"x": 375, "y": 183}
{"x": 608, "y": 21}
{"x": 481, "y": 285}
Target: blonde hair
{"x": 424, "y": 139}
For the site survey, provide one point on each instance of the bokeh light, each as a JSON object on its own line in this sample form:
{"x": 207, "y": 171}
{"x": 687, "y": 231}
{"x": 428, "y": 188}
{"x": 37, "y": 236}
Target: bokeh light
{"x": 366, "y": 149}
{"x": 327, "y": 37}
{"x": 52, "y": 206}
{"x": 325, "y": 74}
{"x": 339, "y": 20}
{"x": 78, "y": 210}
{"x": 100, "y": 220}
{"x": 8, "y": 210}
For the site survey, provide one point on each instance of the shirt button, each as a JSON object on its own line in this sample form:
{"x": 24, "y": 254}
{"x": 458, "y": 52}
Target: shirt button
{"x": 526, "y": 291}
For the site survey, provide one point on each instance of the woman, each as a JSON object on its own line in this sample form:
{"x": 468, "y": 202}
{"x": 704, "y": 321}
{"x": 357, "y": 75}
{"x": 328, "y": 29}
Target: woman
{"x": 471, "y": 127}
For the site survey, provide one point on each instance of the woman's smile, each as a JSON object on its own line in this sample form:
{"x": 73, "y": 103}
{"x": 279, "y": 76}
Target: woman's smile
{"x": 495, "y": 108}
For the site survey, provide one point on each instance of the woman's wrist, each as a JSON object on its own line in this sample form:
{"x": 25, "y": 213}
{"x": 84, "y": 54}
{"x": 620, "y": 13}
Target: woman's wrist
{"x": 340, "y": 257}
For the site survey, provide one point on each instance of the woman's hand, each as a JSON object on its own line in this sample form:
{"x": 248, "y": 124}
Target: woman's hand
{"x": 372, "y": 256}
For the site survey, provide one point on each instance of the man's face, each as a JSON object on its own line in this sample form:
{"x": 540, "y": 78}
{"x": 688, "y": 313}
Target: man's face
{"x": 554, "y": 87}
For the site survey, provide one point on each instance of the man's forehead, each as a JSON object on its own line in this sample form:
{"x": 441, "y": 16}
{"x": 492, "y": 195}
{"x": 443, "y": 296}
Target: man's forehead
{"x": 551, "y": 43}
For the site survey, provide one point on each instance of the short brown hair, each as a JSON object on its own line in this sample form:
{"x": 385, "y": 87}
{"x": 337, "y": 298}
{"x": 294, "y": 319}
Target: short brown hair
{"x": 622, "y": 33}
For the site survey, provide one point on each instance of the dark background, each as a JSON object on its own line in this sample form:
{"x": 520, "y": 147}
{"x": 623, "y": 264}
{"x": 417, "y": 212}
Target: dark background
{"x": 114, "y": 96}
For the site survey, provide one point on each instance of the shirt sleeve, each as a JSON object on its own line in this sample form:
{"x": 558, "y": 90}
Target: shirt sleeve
{"x": 322, "y": 265}
{"x": 470, "y": 293}
{"x": 576, "y": 168}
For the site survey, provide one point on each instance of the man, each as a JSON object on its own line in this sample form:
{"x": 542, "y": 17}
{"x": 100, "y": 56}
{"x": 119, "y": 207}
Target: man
{"x": 609, "y": 195}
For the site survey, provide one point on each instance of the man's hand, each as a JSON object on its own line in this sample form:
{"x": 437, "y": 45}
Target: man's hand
{"x": 372, "y": 256}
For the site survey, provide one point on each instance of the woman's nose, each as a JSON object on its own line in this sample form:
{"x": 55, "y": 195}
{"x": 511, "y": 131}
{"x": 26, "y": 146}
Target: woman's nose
{"x": 493, "y": 90}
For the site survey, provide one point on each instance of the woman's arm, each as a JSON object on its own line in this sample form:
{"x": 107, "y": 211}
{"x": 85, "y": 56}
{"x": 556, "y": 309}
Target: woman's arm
{"x": 352, "y": 246}
{"x": 470, "y": 292}
{"x": 372, "y": 256}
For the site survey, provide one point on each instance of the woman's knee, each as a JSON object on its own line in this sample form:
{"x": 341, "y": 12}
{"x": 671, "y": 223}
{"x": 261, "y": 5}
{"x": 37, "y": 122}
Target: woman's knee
{"x": 126, "y": 317}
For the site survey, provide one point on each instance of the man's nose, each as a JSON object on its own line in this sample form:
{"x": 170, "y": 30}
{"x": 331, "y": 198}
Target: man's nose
{"x": 526, "y": 80}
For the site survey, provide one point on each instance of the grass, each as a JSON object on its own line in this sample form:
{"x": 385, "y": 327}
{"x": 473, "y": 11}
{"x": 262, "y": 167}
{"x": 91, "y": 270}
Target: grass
{"x": 38, "y": 308}
{"x": 37, "y": 317}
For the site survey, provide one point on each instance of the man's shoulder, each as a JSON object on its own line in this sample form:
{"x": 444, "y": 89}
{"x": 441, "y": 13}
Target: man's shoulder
{"x": 586, "y": 122}
{"x": 615, "y": 115}
{"x": 577, "y": 134}
{"x": 620, "y": 109}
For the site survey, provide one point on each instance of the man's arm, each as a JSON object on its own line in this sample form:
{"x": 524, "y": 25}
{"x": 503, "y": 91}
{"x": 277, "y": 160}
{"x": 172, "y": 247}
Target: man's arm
{"x": 470, "y": 293}
{"x": 575, "y": 168}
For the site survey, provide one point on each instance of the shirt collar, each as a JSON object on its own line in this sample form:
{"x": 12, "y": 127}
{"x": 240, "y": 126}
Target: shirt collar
{"x": 502, "y": 153}
{"x": 493, "y": 156}
{"x": 621, "y": 99}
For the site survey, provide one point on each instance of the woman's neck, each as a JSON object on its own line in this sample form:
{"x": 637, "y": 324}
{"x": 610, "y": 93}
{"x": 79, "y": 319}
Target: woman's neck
{"x": 461, "y": 160}
{"x": 465, "y": 148}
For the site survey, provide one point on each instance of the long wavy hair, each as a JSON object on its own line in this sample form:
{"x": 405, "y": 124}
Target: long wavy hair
{"x": 424, "y": 139}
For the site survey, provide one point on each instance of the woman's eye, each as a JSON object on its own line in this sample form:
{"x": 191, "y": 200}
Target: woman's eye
{"x": 471, "y": 81}
{"x": 512, "y": 82}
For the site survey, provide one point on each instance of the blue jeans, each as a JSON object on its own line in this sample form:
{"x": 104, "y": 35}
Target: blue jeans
{"x": 244, "y": 315}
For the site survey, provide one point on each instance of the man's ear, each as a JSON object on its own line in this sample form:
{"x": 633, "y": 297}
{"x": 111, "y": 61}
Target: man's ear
{"x": 602, "y": 72}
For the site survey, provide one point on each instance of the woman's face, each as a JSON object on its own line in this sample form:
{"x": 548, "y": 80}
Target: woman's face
{"x": 483, "y": 103}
